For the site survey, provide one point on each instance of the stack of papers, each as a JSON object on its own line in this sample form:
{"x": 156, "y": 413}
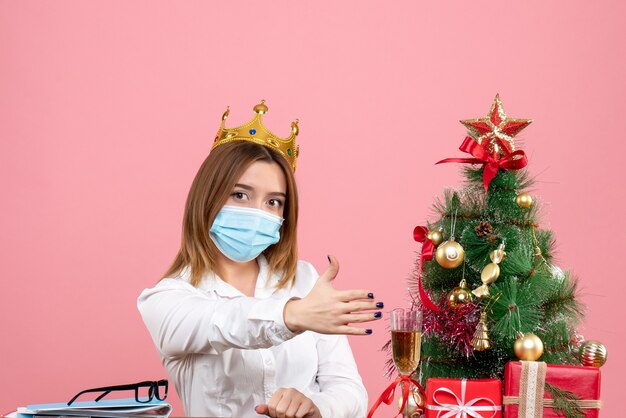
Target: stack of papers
{"x": 113, "y": 408}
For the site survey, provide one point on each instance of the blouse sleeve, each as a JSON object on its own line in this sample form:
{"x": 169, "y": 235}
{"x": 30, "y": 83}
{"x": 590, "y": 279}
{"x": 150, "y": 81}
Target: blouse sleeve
{"x": 342, "y": 394}
{"x": 182, "y": 320}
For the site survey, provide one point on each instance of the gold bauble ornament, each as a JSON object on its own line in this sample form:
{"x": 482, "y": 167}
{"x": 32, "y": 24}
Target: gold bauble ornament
{"x": 459, "y": 296}
{"x": 490, "y": 273}
{"x": 497, "y": 255}
{"x": 528, "y": 347}
{"x": 593, "y": 353}
{"x": 435, "y": 236}
{"x": 524, "y": 200}
{"x": 414, "y": 407}
{"x": 480, "y": 340}
{"x": 450, "y": 254}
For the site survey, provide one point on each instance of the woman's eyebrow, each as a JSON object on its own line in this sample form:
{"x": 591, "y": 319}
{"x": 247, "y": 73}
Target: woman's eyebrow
{"x": 246, "y": 187}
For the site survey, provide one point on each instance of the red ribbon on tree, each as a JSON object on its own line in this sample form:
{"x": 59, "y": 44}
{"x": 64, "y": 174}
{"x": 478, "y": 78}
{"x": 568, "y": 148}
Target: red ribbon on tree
{"x": 420, "y": 234}
{"x": 388, "y": 394}
{"x": 509, "y": 161}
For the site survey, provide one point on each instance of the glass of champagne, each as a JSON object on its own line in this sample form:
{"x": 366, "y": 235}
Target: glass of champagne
{"x": 406, "y": 339}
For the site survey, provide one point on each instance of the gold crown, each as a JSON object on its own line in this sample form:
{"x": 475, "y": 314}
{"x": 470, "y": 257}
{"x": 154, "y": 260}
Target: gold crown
{"x": 255, "y": 131}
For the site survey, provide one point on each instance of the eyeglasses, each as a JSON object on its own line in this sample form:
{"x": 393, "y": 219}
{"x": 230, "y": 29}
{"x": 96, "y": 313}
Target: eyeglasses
{"x": 144, "y": 391}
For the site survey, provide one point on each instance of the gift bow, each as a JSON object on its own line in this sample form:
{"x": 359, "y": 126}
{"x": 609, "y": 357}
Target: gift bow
{"x": 462, "y": 409}
{"x": 420, "y": 234}
{"x": 510, "y": 161}
{"x": 388, "y": 394}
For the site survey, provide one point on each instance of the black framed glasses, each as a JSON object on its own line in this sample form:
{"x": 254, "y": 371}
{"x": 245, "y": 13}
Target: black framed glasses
{"x": 144, "y": 391}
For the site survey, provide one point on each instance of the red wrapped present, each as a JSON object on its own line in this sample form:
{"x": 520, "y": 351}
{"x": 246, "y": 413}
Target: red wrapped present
{"x": 527, "y": 395}
{"x": 462, "y": 398}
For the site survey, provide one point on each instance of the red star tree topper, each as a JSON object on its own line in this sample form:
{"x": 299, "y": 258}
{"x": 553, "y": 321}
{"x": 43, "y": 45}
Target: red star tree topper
{"x": 495, "y": 132}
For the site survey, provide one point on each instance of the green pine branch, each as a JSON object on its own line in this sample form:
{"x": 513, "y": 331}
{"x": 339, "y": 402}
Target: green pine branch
{"x": 564, "y": 402}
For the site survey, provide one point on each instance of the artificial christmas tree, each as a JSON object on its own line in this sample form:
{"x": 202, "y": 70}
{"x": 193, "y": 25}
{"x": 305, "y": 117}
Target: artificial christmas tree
{"x": 506, "y": 260}
{"x": 484, "y": 281}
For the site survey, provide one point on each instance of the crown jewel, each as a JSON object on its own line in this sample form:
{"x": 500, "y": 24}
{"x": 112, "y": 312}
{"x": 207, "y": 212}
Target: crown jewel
{"x": 255, "y": 131}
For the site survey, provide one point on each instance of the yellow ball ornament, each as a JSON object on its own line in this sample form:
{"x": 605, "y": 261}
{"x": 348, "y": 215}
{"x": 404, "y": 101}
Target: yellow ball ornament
{"x": 450, "y": 254}
{"x": 414, "y": 407}
{"x": 528, "y": 347}
{"x": 435, "y": 236}
{"x": 524, "y": 200}
{"x": 459, "y": 296}
{"x": 593, "y": 353}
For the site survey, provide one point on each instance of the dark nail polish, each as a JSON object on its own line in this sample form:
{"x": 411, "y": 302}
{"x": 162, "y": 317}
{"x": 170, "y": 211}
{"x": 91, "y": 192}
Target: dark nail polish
{"x": 380, "y": 305}
{"x": 370, "y": 295}
{"x": 378, "y": 315}
{"x": 368, "y": 331}
{"x": 329, "y": 259}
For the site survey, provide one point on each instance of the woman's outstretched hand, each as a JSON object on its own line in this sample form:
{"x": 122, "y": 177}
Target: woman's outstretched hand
{"x": 289, "y": 403}
{"x": 330, "y": 311}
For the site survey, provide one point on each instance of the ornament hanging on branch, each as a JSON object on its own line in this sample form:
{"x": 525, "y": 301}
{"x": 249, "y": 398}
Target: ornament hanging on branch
{"x": 450, "y": 254}
{"x": 481, "y": 340}
{"x": 528, "y": 347}
{"x": 593, "y": 353}
{"x": 435, "y": 236}
{"x": 490, "y": 272}
{"x": 459, "y": 296}
{"x": 524, "y": 200}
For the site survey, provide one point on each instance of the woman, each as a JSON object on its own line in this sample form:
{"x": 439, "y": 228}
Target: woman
{"x": 244, "y": 328}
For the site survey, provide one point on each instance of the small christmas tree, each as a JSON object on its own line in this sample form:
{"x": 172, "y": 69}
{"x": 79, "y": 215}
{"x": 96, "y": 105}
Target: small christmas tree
{"x": 485, "y": 281}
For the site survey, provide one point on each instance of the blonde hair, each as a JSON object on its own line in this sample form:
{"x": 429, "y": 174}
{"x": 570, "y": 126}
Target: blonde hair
{"x": 210, "y": 190}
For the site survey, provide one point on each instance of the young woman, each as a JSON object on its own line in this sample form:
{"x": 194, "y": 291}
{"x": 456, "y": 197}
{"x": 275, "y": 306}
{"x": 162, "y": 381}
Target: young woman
{"x": 244, "y": 328}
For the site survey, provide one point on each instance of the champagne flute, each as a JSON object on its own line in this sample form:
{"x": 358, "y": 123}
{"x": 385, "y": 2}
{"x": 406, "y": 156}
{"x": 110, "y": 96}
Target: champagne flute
{"x": 406, "y": 340}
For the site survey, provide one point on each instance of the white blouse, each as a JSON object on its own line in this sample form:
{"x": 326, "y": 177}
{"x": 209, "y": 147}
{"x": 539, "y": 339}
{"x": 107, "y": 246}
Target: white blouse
{"x": 227, "y": 353}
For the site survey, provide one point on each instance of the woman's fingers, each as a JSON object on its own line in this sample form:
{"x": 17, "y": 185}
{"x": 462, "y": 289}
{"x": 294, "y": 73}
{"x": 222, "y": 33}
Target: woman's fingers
{"x": 332, "y": 270}
{"x": 347, "y": 330}
{"x": 288, "y": 403}
{"x": 325, "y": 308}
{"x": 262, "y": 409}
{"x": 273, "y": 402}
{"x": 357, "y": 318}
{"x": 355, "y": 294}
{"x": 361, "y": 306}
{"x": 283, "y": 406}
{"x": 293, "y": 408}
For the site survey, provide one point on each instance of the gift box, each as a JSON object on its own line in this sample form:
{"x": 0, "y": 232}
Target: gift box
{"x": 460, "y": 398}
{"x": 526, "y": 394}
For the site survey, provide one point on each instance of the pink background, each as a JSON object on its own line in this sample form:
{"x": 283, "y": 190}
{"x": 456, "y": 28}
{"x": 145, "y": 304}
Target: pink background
{"x": 107, "y": 110}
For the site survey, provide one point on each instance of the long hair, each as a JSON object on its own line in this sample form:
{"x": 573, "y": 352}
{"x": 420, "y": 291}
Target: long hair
{"x": 210, "y": 190}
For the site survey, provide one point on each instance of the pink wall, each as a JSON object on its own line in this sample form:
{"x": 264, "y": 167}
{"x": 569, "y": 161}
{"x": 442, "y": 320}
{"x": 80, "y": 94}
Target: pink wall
{"x": 108, "y": 108}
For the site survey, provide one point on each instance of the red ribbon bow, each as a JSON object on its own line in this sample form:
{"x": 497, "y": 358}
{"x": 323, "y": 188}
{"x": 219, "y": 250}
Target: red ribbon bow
{"x": 510, "y": 161}
{"x": 388, "y": 394}
{"x": 420, "y": 234}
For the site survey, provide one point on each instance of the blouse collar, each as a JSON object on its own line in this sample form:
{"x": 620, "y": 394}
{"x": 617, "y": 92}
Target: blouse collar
{"x": 265, "y": 285}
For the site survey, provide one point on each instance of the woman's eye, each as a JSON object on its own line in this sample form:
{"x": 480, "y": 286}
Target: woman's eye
{"x": 275, "y": 203}
{"x": 239, "y": 195}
